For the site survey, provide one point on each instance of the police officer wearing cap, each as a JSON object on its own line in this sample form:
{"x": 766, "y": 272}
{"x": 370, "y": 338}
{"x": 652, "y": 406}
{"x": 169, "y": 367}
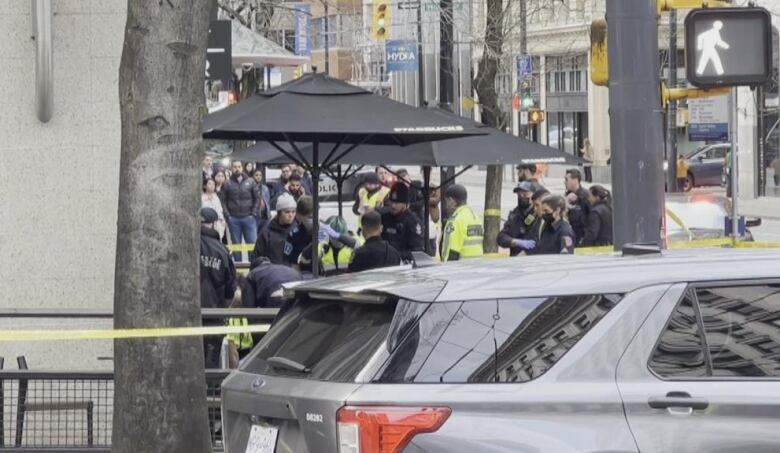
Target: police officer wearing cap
{"x": 217, "y": 280}
{"x": 517, "y": 233}
{"x": 401, "y": 227}
{"x": 464, "y": 233}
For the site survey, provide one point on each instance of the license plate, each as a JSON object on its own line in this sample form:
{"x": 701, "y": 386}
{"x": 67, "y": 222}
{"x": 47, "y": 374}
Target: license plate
{"x": 262, "y": 439}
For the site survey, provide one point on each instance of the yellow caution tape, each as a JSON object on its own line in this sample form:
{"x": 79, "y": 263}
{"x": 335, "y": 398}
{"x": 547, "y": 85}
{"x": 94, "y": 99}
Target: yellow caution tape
{"x": 758, "y": 245}
{"x": 241, "y": 247}
{"x": 109, "y": 334}
{"x": 492, "y": 213}
{"x": 593, "y": 250}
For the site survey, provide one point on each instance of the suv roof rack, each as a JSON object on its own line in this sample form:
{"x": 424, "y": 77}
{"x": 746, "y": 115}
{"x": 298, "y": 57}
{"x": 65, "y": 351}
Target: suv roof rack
{"x": 640, "y": 248}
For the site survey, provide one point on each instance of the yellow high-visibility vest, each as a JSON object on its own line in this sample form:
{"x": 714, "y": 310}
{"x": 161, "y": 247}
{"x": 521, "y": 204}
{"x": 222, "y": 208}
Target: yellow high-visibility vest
{"x": 463, "y": 234}
{"x": 242, "y": 340}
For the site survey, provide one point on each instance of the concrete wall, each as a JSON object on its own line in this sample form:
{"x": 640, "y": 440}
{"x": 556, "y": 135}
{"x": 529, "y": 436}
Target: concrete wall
{"x": 59, "y": 180}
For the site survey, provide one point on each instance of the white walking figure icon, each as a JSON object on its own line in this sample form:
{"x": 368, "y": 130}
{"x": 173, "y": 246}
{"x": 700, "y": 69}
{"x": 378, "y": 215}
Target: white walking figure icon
{"x": 707, "y": 43}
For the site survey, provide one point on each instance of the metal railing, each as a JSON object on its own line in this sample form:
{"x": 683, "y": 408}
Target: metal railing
{"x": 72, "y": 411}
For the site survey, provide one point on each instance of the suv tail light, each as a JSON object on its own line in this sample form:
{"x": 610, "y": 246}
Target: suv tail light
{"x": 373, "y": 429}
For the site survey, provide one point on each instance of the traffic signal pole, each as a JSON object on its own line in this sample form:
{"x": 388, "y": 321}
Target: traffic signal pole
{"x": 636, "y": 128}
{"x": 446, "y": 85}
{"x": 671, "y": 124}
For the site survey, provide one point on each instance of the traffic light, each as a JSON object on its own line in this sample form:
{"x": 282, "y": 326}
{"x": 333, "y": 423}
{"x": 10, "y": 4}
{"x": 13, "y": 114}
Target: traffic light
{"x": 381, "y": 26}
{"x": 535, "y": 116}
{"x": 599, "y": 61}
{"x": 526, "y": 99}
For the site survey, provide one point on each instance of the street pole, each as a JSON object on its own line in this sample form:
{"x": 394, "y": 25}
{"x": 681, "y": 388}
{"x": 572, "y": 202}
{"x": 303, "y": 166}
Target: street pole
{"x": 523, "y": 51}
{"x": 446, "y": 82}
{"x": 761, "y": 136}
{"x": 671, "y": 123}
{"x": 420, "y": 58}
{"x": 326, "y": 25}
{"x": 636, "y": 128}
{"x": 734, "y": 162}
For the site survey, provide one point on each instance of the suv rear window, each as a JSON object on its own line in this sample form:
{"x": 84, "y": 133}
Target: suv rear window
{"x": 332, "y": 339}
{"x": 507, "y": 340}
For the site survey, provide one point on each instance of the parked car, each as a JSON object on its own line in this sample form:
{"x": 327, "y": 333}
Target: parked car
{"x": 698, "y": 218}
{"x": 668, "y": 353}
{"x": 328, "y": 188}
{"x": 706, "y": 165}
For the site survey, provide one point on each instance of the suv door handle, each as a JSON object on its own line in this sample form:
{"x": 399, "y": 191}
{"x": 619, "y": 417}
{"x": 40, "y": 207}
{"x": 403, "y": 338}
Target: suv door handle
{"x": 678, "y": 399}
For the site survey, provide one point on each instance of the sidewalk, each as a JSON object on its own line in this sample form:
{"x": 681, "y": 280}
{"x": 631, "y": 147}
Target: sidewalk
{"x": 765, "y": 208}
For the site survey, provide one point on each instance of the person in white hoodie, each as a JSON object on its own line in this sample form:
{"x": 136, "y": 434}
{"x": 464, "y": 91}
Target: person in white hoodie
{"x": 210, "y": 199}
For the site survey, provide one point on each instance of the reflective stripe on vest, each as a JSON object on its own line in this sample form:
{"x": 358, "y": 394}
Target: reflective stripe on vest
{"x": 242, "y": 340}
{"x": 329, "y": 258}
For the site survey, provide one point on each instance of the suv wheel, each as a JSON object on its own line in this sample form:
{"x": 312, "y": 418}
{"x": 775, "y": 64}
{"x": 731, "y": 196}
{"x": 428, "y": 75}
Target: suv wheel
{"x": 688, "y": 184}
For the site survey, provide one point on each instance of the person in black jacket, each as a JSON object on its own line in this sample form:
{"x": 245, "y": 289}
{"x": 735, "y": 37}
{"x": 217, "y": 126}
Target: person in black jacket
{"x": 535, "y": 232}
{"x": 516, "y": 234}
{"x": 242, "y": 206}
{"x": 376, "y": 252}
{"x": 264, "y": 281}
{"x": 401, "y": 227}
{"x": 577, "y": 200}
{"x": 217, "y": 280}
{"x": 557, "y": 236}
{"x": 416, "y": 198}
{"x": 299, "y": 235}
{"x": 598, "y": 232}
{"x": 271, "y": 239}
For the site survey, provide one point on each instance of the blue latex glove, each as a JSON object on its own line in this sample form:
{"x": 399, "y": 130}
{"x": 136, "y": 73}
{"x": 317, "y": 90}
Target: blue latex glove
{"x": 327, "y": 232}
{"x": 525, "y": 244}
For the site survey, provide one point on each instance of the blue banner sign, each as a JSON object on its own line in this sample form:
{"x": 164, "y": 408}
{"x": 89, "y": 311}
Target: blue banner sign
{"x": 525, "y": 67}
{"x": 401, "y": 55}
{"x": 302, "y": 29}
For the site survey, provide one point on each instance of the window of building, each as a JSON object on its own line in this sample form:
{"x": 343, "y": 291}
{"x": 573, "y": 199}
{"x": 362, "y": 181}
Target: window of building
{"x": 489, "y": 341}
{"x": 741, "y": 334}
{"x": 285, "y": 38}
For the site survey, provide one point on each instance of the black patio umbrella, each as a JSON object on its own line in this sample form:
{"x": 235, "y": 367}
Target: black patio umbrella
{"x": 494, "y": 148}
{"x": 317, "y": 109}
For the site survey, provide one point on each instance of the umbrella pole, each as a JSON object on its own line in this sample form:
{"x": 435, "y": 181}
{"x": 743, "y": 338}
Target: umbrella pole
{"x": 315, "y": 230}
{"x": 427, "y": 208}
{"x": 339, "y": 191}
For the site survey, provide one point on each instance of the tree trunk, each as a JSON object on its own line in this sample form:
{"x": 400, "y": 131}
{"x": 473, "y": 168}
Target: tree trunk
{"x": 492, "y": 116}
{"x": 160, "y": 387}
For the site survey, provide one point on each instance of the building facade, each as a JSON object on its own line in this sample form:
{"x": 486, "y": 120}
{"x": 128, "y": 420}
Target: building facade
{"x": 60, "y": 179}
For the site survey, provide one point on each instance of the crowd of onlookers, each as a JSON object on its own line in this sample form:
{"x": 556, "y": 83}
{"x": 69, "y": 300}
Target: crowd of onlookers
{"x": 276, "y": 218}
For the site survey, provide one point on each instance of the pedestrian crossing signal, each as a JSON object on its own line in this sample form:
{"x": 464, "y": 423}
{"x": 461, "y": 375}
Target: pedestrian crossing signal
{"x": 535, "y": 116}
{"x": 381, "y": 26}
{"x": 728, "y": 47}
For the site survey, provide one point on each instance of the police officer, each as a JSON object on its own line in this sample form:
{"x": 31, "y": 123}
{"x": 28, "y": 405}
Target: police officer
{"x": 516, "y": 234}
{"x": 263, "y": 282}
{"x": 535, "y": 232}
{"x": 335, "y": 249}
{"x": 376, "y": 252}
{"x": 401, "y": 227}
{"x": 217, "y": 280}
{"x": 557, "y": 235}
{"x": 577, "y": 200}
{"x": 371, "y": 196}
{"x": 464, "y": 232}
